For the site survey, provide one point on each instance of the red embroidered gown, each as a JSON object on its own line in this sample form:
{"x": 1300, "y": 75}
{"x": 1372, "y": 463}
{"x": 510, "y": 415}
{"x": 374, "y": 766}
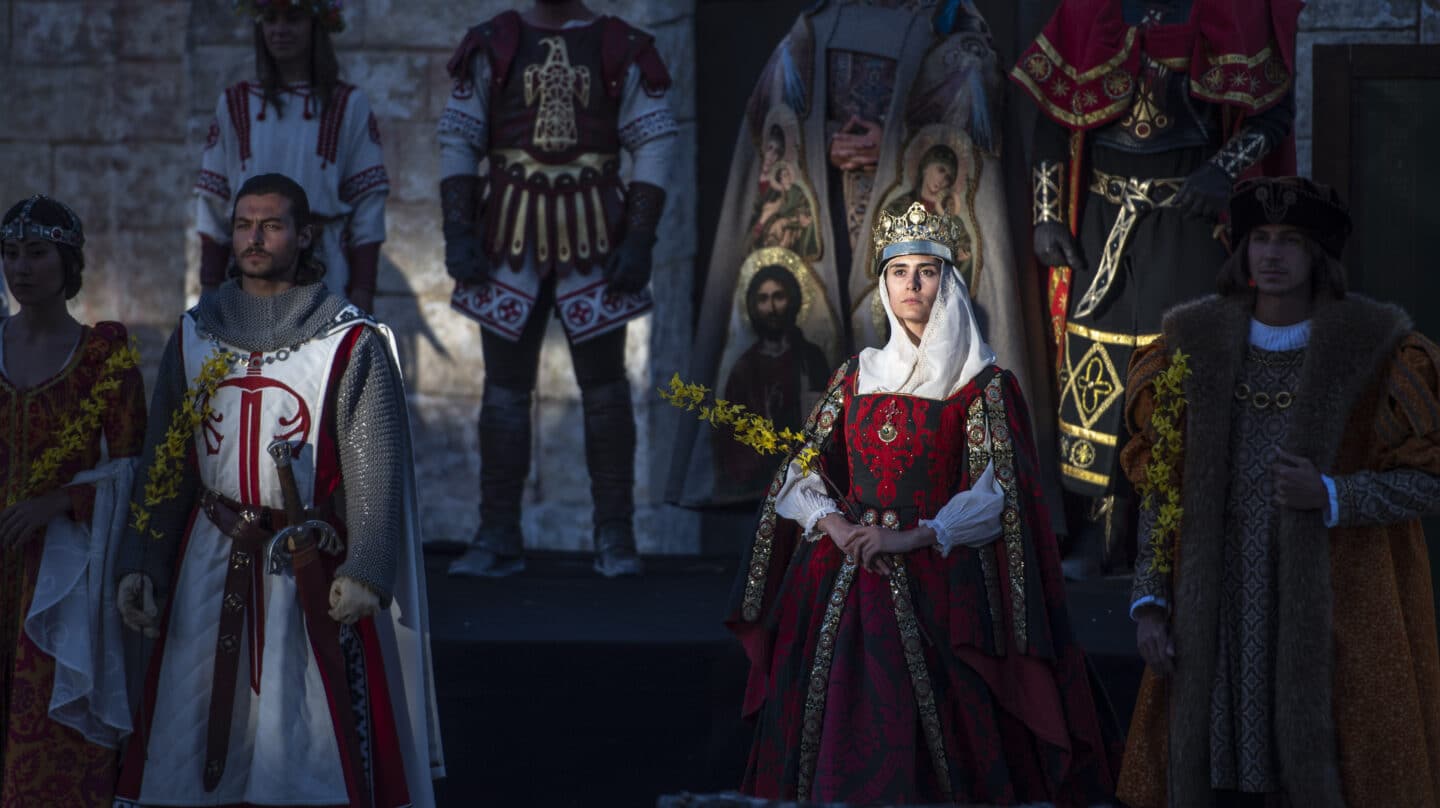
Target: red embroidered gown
{"x": 46, "y": 763}
{"x": 954, "y": 679}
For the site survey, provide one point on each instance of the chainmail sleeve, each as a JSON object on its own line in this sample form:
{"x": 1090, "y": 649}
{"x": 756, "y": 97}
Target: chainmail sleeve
{"x": 142, "y": 552}
{"x": 370, "y": 421}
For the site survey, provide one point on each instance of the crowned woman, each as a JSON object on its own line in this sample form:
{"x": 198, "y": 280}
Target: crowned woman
{"x": 299, "y": 119}
{"x": 902, "y": 604}
{"x": 64, "y": 387}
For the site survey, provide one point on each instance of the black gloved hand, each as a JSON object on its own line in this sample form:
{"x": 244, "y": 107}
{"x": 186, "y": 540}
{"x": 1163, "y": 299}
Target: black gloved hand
{"x": 1205, "y": 193}
{"x": 627, "y": 271}
{"x": 465, "y": 257}
{"x": 1055, "y": 247}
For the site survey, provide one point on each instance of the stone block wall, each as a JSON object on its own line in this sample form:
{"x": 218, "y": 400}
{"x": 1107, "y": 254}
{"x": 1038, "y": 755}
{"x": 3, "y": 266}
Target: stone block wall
{"x": 106, "y": 106}
{"x": 1326, "y": 22}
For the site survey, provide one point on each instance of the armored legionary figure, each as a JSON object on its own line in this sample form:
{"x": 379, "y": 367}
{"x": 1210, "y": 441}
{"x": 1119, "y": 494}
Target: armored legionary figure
{"x": 1150, "y": 111}
{"x": 276, "y": 519}
{"x": 548, "y": 98}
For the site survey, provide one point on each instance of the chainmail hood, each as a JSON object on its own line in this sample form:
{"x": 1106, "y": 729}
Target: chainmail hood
{"x": 255, "y": 323}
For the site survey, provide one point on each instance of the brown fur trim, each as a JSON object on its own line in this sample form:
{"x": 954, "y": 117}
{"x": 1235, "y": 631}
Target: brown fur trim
{"x": 1351, "y": 342}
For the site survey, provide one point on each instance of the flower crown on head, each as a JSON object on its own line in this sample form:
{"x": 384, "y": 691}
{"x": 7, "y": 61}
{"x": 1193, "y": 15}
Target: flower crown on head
{"x": 917, "y": 230}
{"x": 325, "y": 12}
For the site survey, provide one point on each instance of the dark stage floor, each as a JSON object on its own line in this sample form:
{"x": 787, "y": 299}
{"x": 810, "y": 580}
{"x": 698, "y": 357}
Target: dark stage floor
{"x": 560, "y": 688}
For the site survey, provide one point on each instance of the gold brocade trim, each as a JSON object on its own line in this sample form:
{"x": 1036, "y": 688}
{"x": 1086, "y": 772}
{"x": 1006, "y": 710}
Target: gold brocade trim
{"x": 1084, "y": 476}
{"x": 1093, "y": 73}
{"x": 1047, "y": 180}
{"x": 976, "y": 433}
{"x": 1136, "y": 198}
{"x": 1241, "y": 98}
{"x": 1112, "y": 187}
{"x": 1033, "y": 72}
{"x": 1243, "y": 84}
{"x": 542, "y": 231}
{"x": 602, "y": 231}
{"x": 517, "y": 236}
{"x": 820, "y": 679}
{"x": 818, "y": 426}
{"x": 1003, "y": 452}
{"x": 919, "y": 674}
{"x": 1088, "y": 434}
{"x": 552, "y": 171}
{"x": 1092, "y": 381}
{"x": 562, "y": 227}
{"x": 1175, "y": 63}
{"x": 582, "y": 232}
{"x": 1110, "y": 337}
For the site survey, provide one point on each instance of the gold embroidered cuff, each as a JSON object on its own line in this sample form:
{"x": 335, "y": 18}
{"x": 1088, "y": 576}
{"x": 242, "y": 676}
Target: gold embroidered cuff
{"x": 1241, "y": 152}
{"x": 1048, "y": 178}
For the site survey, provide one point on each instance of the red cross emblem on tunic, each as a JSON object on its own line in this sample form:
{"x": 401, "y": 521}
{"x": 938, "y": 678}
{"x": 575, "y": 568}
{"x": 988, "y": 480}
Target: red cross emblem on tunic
{"x": 510, "y": 310}
{"x": 484, "y": 296}
{"x": 291, "y": 422}
{"x": 580, "y": 313}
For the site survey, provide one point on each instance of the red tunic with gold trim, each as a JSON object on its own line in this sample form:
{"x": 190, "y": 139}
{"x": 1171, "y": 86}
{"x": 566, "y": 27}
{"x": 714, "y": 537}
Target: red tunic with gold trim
{"x": 47, "y": 763}
{"x": 955, "y": 678}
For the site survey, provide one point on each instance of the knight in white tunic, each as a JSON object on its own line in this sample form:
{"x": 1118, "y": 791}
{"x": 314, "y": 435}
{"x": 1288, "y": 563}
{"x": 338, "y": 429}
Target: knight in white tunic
{"x": 253, "y": 696}
{"x": 298, "y": 119}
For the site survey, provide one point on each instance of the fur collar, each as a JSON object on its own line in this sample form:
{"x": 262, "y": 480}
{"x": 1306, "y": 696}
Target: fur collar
{"x": 1350, "y": 343}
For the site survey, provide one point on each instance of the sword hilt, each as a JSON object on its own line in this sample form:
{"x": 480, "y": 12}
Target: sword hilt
{"x": 282, "y": 452}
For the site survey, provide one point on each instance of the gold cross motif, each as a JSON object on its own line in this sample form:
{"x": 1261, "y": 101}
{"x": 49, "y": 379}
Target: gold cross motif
{"x": 1092, "y": 383}
{"x": 556, "y": 85}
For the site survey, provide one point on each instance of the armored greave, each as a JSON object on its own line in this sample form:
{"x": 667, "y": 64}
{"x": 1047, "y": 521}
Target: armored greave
{"x": 610, "y": 456}
{"x": 504, "y": 465}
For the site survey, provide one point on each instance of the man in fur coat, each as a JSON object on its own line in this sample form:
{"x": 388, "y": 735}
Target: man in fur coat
{"x": 1287, "y": 440}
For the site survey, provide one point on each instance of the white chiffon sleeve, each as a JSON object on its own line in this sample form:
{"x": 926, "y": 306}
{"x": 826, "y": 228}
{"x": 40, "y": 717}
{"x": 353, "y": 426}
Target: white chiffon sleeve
{"x": 804, "y": 498}
{"x": 971, "y": 518}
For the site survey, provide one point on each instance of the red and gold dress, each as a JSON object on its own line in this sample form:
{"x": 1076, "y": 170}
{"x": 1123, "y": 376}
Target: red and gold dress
{"x": 44, "y": 762}
{"x": 956, "y": 678}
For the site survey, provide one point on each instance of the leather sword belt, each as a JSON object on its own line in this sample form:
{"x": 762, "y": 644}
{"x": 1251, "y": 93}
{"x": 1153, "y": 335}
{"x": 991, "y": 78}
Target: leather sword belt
{"x": 250, "y": 528}
{"x": 1135, "y": 197}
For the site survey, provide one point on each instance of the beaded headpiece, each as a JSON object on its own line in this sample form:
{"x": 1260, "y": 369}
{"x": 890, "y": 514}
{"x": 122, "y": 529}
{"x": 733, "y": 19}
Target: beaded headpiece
{"x": 24, "y": 227}
{"x": 326, "y": 12}
{"x": 917, "y": 231}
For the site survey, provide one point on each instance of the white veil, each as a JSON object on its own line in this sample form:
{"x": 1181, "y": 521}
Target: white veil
{"x": 951, "y": 351}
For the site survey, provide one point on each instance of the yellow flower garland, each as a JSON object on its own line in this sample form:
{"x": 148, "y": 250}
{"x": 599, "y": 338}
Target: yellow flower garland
{"x": 163, "y": 480}
{"x": 76, "y": 432}
{"x": 755, "y": 431}
{"x": 1160, "y": 490}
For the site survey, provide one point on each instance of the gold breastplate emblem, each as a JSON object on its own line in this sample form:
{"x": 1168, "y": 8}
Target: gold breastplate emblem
{"x": 556, "y": 85}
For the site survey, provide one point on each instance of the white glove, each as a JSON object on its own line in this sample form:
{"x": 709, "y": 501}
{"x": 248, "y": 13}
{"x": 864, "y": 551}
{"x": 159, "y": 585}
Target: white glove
{"x": 971, "y": 518}
{"x": 351, "y": 600}
{"x": 135, "y": 597}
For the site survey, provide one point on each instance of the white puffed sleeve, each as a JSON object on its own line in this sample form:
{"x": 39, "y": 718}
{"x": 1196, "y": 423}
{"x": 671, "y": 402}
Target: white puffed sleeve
{"x": 647, "y": 130}
{"x": 804, "y": 498}
{"x": 971, "y": 518}
{"x": 464, "y": 128}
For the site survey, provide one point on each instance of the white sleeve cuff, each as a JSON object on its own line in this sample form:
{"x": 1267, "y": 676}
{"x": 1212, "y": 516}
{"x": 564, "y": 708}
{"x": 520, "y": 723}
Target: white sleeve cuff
{"x": 803, "y": 498}
{"x": 1149, "y": 600}
{"x": 1332, "y": 513}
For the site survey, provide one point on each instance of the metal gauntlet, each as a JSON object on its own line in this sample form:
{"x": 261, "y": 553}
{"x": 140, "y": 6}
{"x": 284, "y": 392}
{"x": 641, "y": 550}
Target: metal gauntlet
{"x": 459, "y": 204}
{"x": 643, "y": 204}
{"x": 1047, "y": 179}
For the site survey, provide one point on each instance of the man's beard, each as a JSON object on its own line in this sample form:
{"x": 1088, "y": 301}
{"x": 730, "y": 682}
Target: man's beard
{"x": 771, "y": 328}
{"x": 280, "y": 267}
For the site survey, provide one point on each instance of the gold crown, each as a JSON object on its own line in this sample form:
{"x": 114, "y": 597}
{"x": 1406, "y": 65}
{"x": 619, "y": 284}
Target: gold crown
{"x": 916, "y": 224}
